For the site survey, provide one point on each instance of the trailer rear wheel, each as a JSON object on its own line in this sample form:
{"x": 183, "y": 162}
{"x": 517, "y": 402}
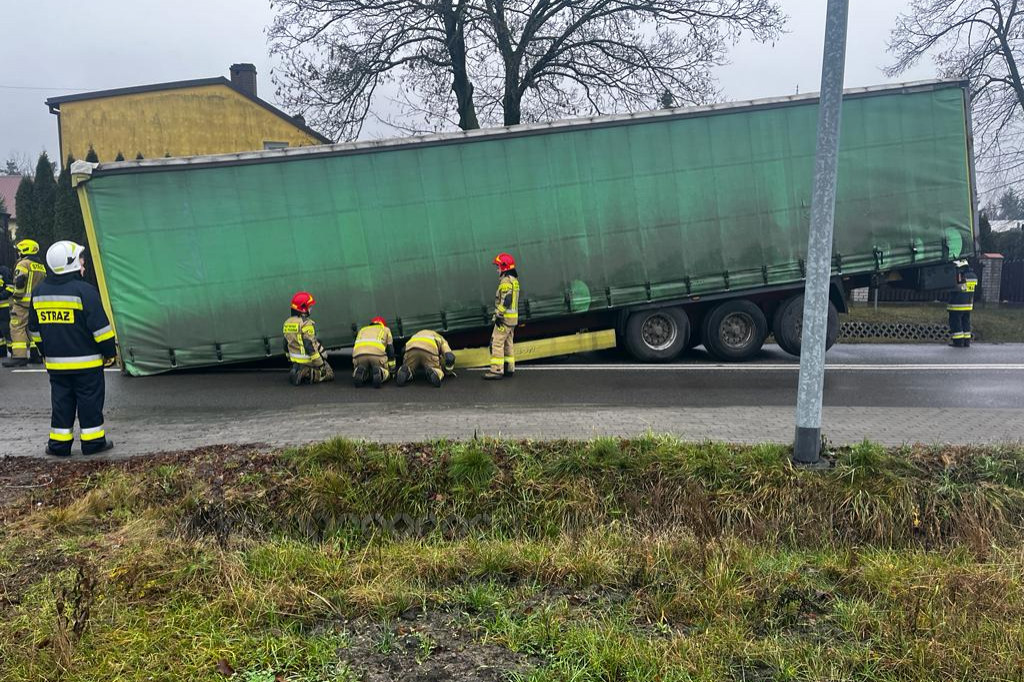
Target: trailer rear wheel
{"x": 734, "y": 330}
{"x": 657, "y": 335}
{"x": 788, "y": 322}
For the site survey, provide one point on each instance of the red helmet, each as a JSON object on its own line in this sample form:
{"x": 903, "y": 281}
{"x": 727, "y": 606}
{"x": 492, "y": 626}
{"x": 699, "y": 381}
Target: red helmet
{"x": 303, "y": 301}
{"x": 379, "y": 320}
{"x": 504, "y": 261}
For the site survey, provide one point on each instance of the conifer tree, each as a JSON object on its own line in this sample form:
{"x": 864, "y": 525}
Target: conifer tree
{"x": 67, "y": 211}
{"x": 24, "y": 200}
{"x": 44, "y": 195}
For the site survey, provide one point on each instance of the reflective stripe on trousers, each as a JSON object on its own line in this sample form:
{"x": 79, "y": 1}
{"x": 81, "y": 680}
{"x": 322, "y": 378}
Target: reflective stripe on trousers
{"x": 81, "y": 395}
{"x": 93, "y": 433}
{"x": 502, "y": 349}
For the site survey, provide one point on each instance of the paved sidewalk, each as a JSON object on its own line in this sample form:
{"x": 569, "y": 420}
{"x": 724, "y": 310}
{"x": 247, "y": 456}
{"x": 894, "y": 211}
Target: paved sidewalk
{"x": 889, "y": 394}
{"x": 399, "y": 423}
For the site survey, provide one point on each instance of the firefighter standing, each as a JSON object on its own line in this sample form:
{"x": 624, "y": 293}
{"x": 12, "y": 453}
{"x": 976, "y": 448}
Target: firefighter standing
{"x": 426, "y": 350}
{"x": 961, "y": 303}
{"x": 373, "y": 354}
{"x": 68, "y": 324}
{"x": 6, "y": 289}
{"x": 28, "y": 273}
{"x": 506, "y": 317}
{"x": 306, "y": 353}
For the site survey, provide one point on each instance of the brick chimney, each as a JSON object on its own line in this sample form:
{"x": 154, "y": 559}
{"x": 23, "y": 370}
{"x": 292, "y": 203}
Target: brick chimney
{"x": 244, "y": 77}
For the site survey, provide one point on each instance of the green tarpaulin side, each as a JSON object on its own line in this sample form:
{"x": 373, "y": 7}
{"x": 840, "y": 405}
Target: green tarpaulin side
{"x": 201, "y": 262}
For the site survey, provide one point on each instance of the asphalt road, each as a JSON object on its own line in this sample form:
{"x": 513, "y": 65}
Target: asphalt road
{"x": 893, "y": 394}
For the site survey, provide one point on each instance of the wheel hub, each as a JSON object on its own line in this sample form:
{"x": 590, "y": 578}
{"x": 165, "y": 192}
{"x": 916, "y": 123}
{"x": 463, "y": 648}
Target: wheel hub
{"x": 659, "y": 331}
{"x": 737, "y": 330}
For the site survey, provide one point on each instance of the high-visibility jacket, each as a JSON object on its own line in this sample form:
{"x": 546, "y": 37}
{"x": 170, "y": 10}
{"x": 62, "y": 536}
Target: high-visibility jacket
{"x": 430, "y": 341}
{"x": 962, "y": 298}
{"x": 28, "y": 273}
{"x": 69, "y": 326}
{"x": 374, "y": 340}
{"x": 300, "y": 338}
{"x": 506, "y": 301}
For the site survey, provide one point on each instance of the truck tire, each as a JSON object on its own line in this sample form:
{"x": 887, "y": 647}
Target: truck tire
{"x": 734, "y": 330}
{"x": 657, "y": 335}
{"x": 787, "y": 325}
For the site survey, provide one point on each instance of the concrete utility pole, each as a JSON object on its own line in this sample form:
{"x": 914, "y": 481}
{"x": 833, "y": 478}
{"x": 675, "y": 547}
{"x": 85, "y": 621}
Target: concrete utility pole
{"x": 807, "y": 446}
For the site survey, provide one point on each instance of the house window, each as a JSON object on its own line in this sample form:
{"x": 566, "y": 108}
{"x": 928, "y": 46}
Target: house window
{"x": 275, "y": 145}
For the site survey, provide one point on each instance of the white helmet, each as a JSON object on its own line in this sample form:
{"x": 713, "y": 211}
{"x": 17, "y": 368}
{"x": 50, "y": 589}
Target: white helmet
{"x": 960, "y": 263}
{"x": 63, "y": 257}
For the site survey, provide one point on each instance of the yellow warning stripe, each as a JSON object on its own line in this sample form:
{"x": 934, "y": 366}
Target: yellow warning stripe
{"x": 540, "y": 348}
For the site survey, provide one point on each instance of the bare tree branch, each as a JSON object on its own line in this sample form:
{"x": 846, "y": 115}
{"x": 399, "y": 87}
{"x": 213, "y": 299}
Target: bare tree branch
{"x": 981, "y": 41}
{"x": 503, "y": 61}
{"x": 334, "y": 54}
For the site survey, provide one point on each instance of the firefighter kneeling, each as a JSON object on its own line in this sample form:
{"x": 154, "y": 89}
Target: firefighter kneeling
{"x": 426, "y": 350}
{"x": 373, "y": 354}
{"x": 304, "y": 350}
{"x": 69, "y": 326}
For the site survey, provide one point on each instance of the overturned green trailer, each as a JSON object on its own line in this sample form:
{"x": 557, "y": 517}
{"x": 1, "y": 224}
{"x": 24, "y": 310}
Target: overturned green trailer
{"x": 674, "y": 227}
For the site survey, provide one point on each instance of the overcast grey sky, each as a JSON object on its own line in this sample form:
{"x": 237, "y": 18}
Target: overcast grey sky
{"x": 55, "y": 47}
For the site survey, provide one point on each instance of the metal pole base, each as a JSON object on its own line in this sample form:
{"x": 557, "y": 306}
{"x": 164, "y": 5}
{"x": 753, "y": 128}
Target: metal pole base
{"x": 807, "y": 448}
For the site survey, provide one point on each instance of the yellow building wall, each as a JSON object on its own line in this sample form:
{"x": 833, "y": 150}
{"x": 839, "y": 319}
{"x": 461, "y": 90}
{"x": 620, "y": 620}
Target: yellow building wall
{"x": 210, "y": 119}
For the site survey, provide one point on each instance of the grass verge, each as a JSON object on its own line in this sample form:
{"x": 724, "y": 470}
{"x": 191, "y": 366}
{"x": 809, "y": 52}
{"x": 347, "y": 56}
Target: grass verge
{"x": 646, "y": 559}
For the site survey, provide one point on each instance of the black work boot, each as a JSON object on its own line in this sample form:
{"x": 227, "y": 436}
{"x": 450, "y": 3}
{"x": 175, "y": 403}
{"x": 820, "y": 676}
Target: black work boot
{"x": 433, "y": 378}
{"x": 378, "y": 377}
{"x": 108, "y": 445}
{"x": 509, "y": 371}
{"x": 403, "y": 376}
{"x": 492, "y": 376}
{"x": 359, "y": 376}
{"x": 295, "y": 375}
{"x": 15, "y": 362}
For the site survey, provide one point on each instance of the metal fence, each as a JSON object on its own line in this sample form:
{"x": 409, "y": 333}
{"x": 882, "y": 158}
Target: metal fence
{"x": 1012, "y": 286}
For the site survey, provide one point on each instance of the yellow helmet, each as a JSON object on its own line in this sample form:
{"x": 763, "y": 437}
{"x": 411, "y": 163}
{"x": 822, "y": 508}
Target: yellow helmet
{"x": 27, "y": 247}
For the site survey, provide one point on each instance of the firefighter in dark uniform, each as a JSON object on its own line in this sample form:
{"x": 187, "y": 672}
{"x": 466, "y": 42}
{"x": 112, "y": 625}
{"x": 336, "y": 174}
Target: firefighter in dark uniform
{"x": 961, "y": 303}
{"x": 71, "y": 329}
{"x": 6, "y": 291}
